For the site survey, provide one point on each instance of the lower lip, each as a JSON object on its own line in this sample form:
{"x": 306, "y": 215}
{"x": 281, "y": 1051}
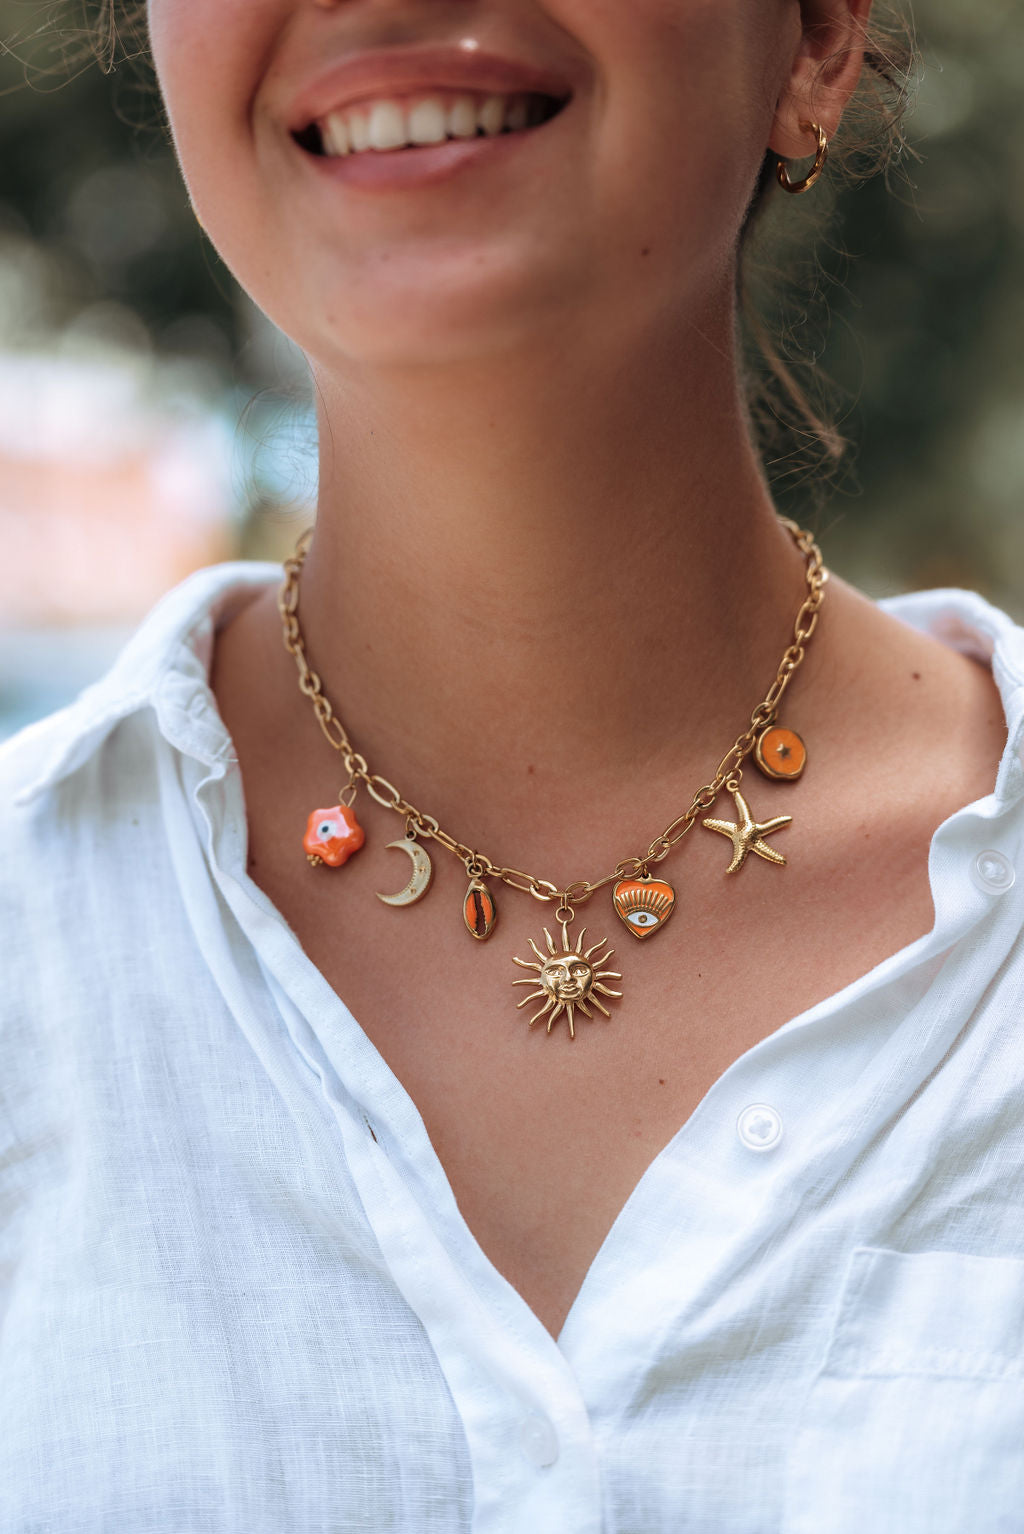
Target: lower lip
{"x": 424, "y": 165}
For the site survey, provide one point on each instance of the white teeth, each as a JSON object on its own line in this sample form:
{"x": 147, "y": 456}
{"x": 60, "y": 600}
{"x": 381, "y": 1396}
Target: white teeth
{"x": 461, "y": 117}
{"x": 358, "y": 130}
{"x": 427, "y": 123}
{"x": 515, "y": 116}
{"x": 491, "y": 115}
{"x": 335, "y": 134}
{"x": 386, "y": 124}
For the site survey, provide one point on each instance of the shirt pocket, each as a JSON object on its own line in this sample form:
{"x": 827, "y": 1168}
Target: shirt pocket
{"x": 915, "y": 1423}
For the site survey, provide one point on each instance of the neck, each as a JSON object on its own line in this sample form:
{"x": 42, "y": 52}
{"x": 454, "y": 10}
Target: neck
{"x": 561, "y": 574}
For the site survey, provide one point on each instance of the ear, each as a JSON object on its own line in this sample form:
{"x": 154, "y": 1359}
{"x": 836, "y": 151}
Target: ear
{"x": 823, "y": 73}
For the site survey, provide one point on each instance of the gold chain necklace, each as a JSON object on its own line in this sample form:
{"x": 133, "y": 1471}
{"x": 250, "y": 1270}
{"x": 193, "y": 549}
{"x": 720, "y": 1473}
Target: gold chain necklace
{"x": 569, "y": 978}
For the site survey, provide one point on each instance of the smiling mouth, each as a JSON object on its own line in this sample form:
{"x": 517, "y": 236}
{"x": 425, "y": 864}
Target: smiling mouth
{"x": 392, "y": 126}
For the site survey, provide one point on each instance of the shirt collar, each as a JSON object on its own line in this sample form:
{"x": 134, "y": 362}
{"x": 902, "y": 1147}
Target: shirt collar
{"x": 165, "y": 665}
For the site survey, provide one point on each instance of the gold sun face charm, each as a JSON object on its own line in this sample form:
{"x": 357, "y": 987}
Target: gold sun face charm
{"x": 567, "y": 979}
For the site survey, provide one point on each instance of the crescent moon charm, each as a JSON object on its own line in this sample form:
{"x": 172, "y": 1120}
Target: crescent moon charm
{"x": 419, "y": 879}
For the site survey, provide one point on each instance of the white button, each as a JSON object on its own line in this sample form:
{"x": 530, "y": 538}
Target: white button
{"x": 992, "y": 872}
{"x": 759, "y": 1127}
{"x": 538, "y": 1440}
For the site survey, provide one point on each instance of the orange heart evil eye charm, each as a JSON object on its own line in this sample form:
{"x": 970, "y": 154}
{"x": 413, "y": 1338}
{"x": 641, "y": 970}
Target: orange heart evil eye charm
{"x": 645, "y": 905}
{"x": 332, "y": 836}
{"x": 780, "y": 753}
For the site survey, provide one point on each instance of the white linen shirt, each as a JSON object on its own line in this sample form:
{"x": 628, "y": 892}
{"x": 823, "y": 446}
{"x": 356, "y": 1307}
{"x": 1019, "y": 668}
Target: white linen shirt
{"x": 237, "y": 1295}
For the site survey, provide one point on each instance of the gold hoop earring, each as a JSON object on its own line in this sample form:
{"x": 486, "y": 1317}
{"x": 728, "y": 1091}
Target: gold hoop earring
{"x": 782, "y": 169}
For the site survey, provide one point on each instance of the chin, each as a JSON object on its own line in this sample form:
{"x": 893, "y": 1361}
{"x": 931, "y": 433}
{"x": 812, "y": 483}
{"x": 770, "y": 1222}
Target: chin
{"x": 414, "y": 313}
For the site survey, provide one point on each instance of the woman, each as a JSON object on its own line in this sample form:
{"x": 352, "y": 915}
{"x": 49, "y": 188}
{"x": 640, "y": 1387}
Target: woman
{"x": 307, "y": 1224}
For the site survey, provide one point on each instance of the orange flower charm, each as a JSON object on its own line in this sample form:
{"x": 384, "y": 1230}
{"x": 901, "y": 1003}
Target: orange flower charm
{"x": 332, "y": 836}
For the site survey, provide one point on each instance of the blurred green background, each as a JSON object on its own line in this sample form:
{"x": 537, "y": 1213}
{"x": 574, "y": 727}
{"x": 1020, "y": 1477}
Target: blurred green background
{"x": 116, "y": 316}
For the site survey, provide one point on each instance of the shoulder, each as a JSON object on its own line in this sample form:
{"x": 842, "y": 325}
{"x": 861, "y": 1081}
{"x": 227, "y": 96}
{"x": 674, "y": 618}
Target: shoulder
{"x": 68, "y": 781}
{"x": 174, "y": 639}
{"x": 967, "y": 622}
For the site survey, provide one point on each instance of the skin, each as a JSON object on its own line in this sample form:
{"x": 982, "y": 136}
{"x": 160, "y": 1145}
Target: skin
{"x": 548, "y": 584}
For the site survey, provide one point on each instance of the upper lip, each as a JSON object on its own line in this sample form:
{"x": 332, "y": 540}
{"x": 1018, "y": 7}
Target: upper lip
{"x": 396, "y": 71}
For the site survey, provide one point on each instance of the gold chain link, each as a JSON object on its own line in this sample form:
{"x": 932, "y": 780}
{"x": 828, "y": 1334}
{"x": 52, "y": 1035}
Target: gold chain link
{"x": 729, "y": 770}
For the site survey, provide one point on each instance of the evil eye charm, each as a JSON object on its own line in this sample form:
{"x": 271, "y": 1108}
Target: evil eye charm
{"x": 644, "y": 905}
{"x": 332, "y": 836}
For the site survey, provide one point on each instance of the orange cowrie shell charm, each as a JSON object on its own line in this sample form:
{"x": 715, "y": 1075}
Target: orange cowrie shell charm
{"x": 332, "y": 836}
{"x": 644, "y": 905}
{"x": 479, "y": 910}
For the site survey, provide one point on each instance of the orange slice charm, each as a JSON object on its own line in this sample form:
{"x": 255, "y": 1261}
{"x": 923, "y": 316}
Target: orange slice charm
{"x": 332, "y": 836}
{"x": 645, "y": 905}
{"x": 780, "y": 753}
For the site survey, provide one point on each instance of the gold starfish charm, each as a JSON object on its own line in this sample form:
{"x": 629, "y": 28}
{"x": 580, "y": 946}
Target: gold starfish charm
{"x": 746, "y": 835}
